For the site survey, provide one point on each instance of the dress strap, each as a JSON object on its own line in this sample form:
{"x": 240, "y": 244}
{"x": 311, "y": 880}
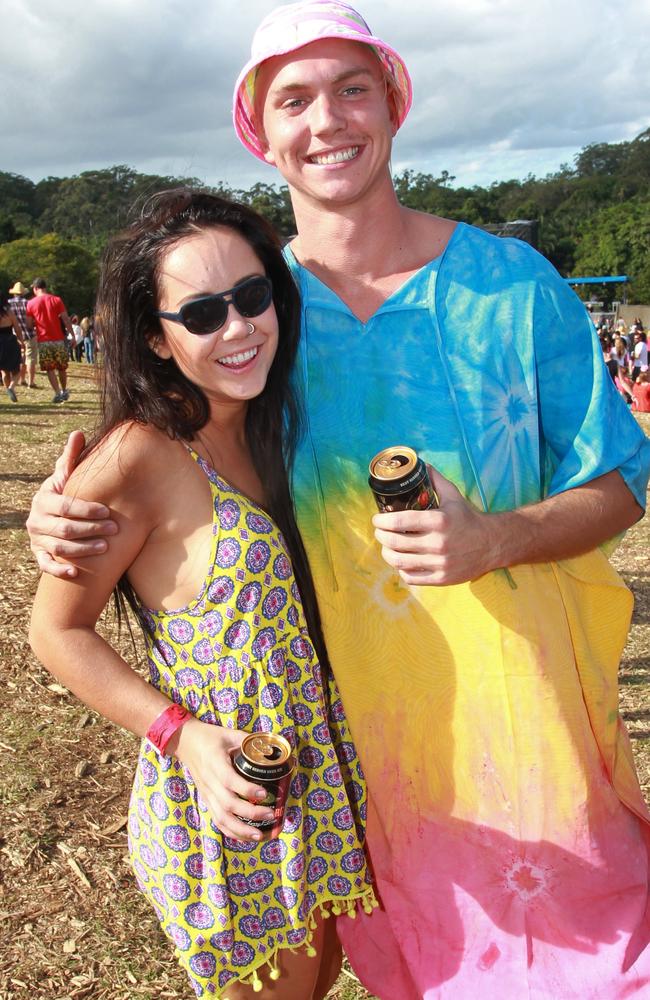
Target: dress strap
{"x": 205, "y": 467}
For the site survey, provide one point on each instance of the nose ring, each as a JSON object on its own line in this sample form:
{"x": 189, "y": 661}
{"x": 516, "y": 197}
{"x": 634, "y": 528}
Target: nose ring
{"x": 251, "y": 328}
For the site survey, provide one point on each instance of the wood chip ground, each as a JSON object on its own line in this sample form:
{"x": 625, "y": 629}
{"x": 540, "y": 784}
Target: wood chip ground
{"x": 72, "y": 924}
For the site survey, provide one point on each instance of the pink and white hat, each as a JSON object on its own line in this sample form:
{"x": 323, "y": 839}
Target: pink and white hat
{"x": 291, "y": 26}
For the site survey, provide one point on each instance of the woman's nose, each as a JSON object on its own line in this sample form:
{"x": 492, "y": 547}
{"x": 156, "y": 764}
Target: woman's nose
{"x": 236, "y": 326}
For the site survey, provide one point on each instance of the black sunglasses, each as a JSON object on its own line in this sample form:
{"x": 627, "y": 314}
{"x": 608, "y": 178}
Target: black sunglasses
{"x": 250, "y": 297}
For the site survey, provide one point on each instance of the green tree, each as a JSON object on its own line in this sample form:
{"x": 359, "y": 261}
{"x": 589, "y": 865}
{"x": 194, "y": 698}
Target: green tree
{"x": 17, "y": 206}
{"x": 601, "y": 158}
{"x": 616, "y": 240}
{"x": 69, "y": 269}
{"x": 273, "y": 203}
{"x": 96, "y": 203}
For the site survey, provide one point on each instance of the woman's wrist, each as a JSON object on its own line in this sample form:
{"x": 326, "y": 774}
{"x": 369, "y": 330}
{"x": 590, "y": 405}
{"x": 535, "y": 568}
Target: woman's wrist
{"x": 164, "y": 730}
{"x": 180, "y": 743}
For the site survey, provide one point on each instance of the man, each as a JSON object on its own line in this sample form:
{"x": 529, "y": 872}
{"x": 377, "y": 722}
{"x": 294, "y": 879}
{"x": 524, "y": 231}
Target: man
{"x": 45, "y": 314}
{"x": 17, "y": 305}
{"x": 477, "y": 660}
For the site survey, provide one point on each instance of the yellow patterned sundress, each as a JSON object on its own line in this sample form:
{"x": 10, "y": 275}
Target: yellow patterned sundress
{"x": 239, "y": 656}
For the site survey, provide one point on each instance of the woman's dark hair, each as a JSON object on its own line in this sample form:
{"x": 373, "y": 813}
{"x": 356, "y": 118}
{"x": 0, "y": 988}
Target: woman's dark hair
{"x": 138, "y": 385}
{"x": 4, "y": 303}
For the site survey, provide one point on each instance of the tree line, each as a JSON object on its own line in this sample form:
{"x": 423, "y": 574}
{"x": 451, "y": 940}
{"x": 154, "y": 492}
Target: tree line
{"x": 593, "y": 217}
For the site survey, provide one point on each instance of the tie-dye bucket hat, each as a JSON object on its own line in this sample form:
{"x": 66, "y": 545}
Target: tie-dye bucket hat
{"x": 291, "y": 26}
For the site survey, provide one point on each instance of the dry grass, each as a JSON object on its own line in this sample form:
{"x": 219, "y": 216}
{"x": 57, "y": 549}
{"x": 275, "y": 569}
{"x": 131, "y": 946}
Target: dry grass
{"x": 73, "y": 925}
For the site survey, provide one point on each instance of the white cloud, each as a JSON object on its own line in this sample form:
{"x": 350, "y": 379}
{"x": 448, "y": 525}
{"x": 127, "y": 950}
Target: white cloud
{"x": 502, "y": 87}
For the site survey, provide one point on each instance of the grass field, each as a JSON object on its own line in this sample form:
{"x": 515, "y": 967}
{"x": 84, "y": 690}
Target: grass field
{"x": 72, "y": 923}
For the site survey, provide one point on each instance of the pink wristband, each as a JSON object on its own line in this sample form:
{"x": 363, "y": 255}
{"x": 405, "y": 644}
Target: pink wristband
{"x": 163, "y": 728}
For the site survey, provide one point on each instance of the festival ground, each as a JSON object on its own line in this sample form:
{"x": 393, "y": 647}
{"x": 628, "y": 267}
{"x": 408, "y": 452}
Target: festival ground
{"x": 72, "y": 923}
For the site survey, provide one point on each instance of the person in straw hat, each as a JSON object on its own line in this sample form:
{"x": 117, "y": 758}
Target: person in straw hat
{"x": 476, "y": 645}
{"x": 17, "y": 303}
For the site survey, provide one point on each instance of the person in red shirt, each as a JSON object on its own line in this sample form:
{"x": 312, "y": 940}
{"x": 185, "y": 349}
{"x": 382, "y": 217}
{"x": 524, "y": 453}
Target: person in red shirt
{"x": 45, "y": 313}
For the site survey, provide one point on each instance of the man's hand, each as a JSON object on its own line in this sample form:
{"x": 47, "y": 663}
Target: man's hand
{"x": 437, "y": 547}
{"x": 458, "y": 543}
{"x": 65, "y": 527}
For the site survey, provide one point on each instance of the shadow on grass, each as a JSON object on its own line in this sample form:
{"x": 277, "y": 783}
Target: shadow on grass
{"x": 633, "y": 680}
{"x": 20, "y": 477}
{"x": 636, "y": 715}
{"x": 641, "y": 591}
{"x": 45, "y": 409}
{"x": 12, "y": 519}
{"x": 33, "y": 409}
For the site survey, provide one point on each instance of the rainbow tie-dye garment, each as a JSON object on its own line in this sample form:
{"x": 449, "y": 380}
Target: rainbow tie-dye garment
{"x": 507, "y": 831}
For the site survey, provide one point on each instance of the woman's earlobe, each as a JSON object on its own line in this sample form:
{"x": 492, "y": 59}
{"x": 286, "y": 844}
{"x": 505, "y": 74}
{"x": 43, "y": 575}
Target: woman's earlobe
{"x": 158, "y": 345}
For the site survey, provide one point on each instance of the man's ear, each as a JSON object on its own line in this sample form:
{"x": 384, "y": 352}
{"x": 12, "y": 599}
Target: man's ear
{"x": 393, "y": 111}
{"x": 261, "y": 138}
{"x": 159, "y": 346}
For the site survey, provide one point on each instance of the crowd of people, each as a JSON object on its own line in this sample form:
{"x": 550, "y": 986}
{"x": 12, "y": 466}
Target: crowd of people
{"x": 38, "y": 331}
{"x": 625, "y": 352}
{"x": 82, "y": 344}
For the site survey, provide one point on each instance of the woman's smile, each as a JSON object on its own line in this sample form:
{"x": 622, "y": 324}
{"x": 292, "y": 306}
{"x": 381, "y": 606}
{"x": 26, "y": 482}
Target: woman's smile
{"x": 240, "y": 360}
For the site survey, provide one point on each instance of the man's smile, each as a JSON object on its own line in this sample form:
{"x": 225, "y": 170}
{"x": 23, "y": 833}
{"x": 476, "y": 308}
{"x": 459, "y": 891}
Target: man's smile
{"x": 340, "y": 156}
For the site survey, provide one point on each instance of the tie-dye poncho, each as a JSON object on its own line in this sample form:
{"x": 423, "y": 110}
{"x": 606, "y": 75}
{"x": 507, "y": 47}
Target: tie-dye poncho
{"x": 506, "y": 828}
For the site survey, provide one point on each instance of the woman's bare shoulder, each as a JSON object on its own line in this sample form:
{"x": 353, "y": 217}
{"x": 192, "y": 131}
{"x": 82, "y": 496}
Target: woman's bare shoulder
{"x": 125, "y": 463}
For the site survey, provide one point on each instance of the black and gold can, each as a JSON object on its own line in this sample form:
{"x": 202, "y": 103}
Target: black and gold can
{"x": 399, "y": 481}
{"x": 265, "y": 759}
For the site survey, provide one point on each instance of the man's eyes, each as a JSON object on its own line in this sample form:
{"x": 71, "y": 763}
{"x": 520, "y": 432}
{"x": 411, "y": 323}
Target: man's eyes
{"x": 295, "y": 103}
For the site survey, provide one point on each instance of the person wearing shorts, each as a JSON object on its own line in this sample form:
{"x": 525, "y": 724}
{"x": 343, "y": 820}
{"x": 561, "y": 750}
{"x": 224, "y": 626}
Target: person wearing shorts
{"x": 31, "y": 359}
{"x": 46, "y": 313}
{"x": 18, "y": 306}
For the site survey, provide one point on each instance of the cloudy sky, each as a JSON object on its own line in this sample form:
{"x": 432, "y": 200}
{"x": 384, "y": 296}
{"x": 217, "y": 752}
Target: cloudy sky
{"x": 503, "y": 88}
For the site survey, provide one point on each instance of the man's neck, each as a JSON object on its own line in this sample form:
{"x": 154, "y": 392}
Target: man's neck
{"x": 365, "y": 251}
{"x": 364, "y": 237}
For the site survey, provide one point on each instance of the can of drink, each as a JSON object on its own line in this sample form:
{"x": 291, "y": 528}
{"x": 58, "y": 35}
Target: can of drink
{"x": 265, "y": 759}
{"x": 399, "y": 481}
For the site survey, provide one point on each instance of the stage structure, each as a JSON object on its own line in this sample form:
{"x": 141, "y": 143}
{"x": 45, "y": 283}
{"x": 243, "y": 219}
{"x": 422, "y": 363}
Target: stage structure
{"x": 522, "y": 229}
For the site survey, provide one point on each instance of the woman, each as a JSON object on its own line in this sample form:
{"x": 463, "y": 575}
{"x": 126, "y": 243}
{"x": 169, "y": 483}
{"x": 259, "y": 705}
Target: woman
{"x": 11, "y": 344}
{"x": 621, "y": 358}
{"x": 198, "y": 418}
{"x": 88, "y": 345}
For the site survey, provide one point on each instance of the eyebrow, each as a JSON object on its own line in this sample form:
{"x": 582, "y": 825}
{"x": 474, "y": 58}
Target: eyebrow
{"x": 290, "y": 88}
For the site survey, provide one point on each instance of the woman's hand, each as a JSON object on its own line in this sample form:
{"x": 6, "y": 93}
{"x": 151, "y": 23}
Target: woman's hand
{"x": 450, "y": 545}
{"x": 62, "y": 527}
{"x": 207, "y": 752}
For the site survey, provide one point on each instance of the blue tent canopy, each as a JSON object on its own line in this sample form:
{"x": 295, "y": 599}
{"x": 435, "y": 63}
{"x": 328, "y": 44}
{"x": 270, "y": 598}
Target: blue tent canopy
{"x": 598, "y": 280}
